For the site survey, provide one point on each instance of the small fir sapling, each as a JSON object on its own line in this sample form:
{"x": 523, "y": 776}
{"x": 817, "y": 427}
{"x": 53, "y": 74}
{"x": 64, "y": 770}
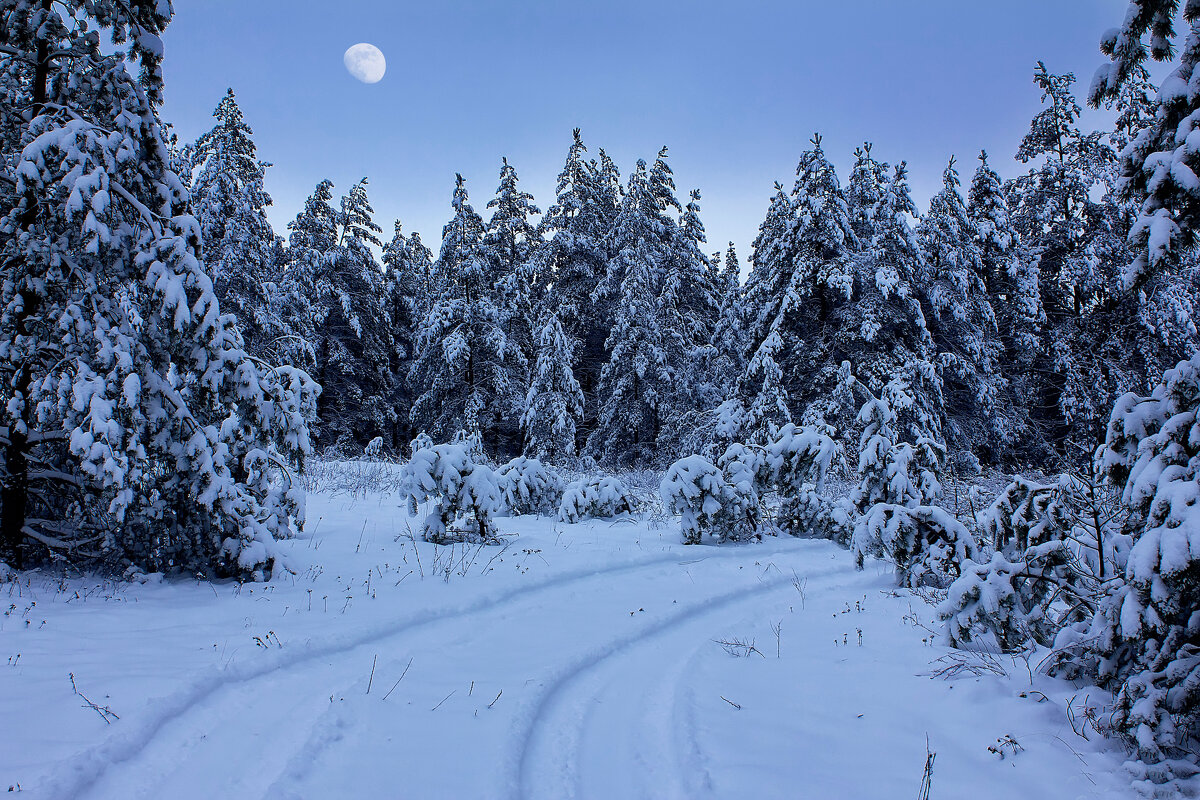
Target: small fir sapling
{"x": 466, "y": 491}
{"x": 596, "y": 497}
{"x": 530, "y": 487}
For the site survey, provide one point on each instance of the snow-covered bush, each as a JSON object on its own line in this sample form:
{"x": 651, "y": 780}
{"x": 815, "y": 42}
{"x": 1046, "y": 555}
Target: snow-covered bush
{"x": 1018, "y": 602}
{"x": 374, "y": 448}
{"x": 926, "y": 543}
{"x": 466, "y": 492}
{"x": 1144, "y": 640}
{"x": 728, "y": 427}
{"x": 530, "y": 487}
{"x": 891, "y": 471}
{"x": 421, "y": 442}
{"x": 710, "y": 501}
{"x": 983, "y": 600}
{"x": 726, "y": 498}
{"x": 797, "y": 461}
{"x": 696, "y": 490}
{"x": 1026, "y": 513}
{"x": 596, "y": 497}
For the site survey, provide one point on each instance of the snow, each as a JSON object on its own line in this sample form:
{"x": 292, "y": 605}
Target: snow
{"x": 576, "y": 660}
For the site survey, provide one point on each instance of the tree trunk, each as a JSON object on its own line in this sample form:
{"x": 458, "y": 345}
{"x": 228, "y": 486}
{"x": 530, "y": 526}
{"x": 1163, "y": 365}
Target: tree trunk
{"x": 14, "y": 497}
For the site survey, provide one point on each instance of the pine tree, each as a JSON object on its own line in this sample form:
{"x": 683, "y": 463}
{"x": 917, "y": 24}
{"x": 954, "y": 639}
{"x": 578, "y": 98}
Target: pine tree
{"x": 407, "y": 263}
{"x": 816, "y": 278}
{"x": 510, "y": 241}
{"x": 335, "y": 298}
{"x": 575, "y": 256}
{"x": 766, "y": 405}
{"x": 691, "y": 306}
{"x": 1102, "y": 335}
{"x": 239, "y": 245}
{"x": 961, "y": 320}
{"x": 554, "y": 403}
{"x": 1151, "y": 174}
{"x": 882, "y": 332}
{"x": 729, "y": 337}
{"x": 1054, "y": 195}
{"x": 135, "y": 425}
{"x": 1011, "y": 277}
{"x": 637, "y": 380}
{"x": 865, "y": 188}
{"x": 467, "y": 372}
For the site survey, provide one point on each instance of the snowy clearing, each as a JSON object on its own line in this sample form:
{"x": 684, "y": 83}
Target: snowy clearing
{"x": 579, "y": 662}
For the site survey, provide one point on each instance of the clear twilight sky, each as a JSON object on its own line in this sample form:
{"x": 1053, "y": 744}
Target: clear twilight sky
{"x": 735, "y": 89}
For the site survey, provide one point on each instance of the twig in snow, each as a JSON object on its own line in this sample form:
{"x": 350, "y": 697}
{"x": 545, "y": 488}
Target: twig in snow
{"x": 371, "y": 680}
{"x": 738, "y": 647}
{"x": 104, "y": 711}
{"x": 397, "y": 683}
{"x": 727, "y": 700}
{"x": 444, "y": 699}
{"x": 799, "y": 583}
{"x": 494, "y": 699}
{"x": 927, "y": 775}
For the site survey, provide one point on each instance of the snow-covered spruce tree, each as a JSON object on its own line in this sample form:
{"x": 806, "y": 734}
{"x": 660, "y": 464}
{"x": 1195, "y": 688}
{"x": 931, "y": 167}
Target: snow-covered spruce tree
{"x": 1026, "y": 513}
{"x": 135, "y": 425}
{"x": 883, "y": 331}
{"x": 729, "y": 335}
{"x": 892, "y": 471}
{"x": 708, "y": 502}
{"x": 574, "y": 257}
{"x": 926, "y": 543}
{"x": 691, "y": 307}
{"x": 554, "y": 403}
{"x": 407, "y": 264}
{"x": 1016, "y": 603}
{"x": 1143, "y": 641}
{"x": 239, "y": 244}
{"x": 1052, "y": 544}
{"x": 898, "y": 484}
{"x": 1010, "y": 275}
{"x": 803, "y": 272}
{"x": 760, "y": 390}
{"x": 465, "y": 491}
{"x": 1156, "y": 165}
{"x": 961, "y": 321}
{"x": 530, "y": 487}
{"x": 596, "y": 497}
{"x": 312, "y": 234}
{"x": 509, "y": 240}
{"x": 864, "y": 190}
{"x": 467, "y": 372}
{"x": 637, "y": 379}
{"x": 762, "y": 384}
{"x": 336, "y": 296}
{"x": 1079, "y": 246}
{"x": 797, "y": 462}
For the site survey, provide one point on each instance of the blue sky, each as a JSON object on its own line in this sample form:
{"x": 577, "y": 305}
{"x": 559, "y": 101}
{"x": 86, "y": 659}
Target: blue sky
{"x": 735, "y": 89}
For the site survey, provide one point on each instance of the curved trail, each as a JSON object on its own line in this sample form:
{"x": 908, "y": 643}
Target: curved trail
{"x": 287, "y": 712}
{"x": 568, "y": 749}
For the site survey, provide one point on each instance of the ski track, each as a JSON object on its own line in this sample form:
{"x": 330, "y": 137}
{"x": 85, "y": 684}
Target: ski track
{"x": 177, "y": 722}
{"x": 551, "y": 763}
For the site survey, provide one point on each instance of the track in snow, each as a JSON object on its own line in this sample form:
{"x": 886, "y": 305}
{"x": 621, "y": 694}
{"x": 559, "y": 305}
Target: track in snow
{"x": 259, "y": 731}
{"x": 613, "y": 725}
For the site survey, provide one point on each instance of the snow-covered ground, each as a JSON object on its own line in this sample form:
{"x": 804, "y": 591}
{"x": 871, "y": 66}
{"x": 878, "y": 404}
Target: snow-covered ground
{"x": 580, "y": 661}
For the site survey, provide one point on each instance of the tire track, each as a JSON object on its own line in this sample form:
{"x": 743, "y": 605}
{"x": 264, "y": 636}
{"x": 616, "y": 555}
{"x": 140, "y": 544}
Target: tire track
{"x": 83, "y": 772}
{"x": 545, "y": 754}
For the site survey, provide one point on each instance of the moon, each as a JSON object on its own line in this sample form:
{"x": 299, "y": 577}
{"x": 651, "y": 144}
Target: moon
{"x": 365, "y": 62}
